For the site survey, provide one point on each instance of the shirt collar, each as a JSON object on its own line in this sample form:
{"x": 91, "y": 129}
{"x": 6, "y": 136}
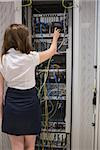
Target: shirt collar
{"x": 12, "y": 50}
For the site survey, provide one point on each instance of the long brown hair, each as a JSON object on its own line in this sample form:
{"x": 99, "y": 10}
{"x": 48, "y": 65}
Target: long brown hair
{"x": 17, "y": 36}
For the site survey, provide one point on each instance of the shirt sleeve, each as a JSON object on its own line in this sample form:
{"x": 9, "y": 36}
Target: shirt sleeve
{"x": 36, "y": 58}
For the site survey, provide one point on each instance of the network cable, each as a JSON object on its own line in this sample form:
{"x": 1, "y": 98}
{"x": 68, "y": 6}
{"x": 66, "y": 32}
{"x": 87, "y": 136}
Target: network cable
{"x": 25, "y": 5}
{"x": 46, "y": 75}
{"x": 69, "y": 7}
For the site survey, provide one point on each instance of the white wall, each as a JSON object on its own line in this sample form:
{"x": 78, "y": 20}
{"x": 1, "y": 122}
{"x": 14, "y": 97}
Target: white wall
{"x": 83, "y": 74}
{"x": 10, "y": 12}
{"x": 97, "y": 131}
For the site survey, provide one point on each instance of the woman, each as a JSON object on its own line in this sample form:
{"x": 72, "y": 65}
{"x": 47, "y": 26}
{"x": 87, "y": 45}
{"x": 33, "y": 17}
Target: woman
{"x": 20, "y": 112}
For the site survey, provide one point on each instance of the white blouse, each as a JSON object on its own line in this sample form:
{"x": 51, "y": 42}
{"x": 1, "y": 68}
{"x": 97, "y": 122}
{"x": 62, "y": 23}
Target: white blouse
{"x": 18, "y": 69}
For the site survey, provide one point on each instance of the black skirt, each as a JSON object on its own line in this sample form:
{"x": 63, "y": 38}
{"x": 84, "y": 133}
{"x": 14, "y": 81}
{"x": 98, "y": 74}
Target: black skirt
{"x": 21, "y": 113}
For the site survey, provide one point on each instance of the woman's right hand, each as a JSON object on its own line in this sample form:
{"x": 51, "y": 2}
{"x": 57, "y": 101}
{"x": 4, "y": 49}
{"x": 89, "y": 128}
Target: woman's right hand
{"x": 56, "y": 33}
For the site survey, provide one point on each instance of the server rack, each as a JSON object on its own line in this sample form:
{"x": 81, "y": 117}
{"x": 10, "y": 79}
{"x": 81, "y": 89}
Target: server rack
{"x": 53, "y": 76}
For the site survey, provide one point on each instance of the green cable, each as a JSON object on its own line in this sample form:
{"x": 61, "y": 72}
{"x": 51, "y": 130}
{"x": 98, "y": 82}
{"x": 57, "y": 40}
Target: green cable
{"x": 66, "y": 6}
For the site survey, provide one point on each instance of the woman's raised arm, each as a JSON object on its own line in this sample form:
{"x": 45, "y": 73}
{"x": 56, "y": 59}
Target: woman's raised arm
{"x": 45, "y": 55}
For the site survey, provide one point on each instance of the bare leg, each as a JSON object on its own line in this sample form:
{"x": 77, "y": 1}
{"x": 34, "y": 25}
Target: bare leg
{"x": 30, "y": 142}
{"x": 17, "y": 142}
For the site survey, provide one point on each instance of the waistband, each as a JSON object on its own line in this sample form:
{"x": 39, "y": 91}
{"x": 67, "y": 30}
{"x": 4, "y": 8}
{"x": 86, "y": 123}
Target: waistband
{"x": 15, "y": 89}
{"x": 11, "y": 91}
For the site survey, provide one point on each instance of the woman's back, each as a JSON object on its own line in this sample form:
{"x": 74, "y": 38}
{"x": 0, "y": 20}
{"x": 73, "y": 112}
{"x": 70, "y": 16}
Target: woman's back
{"x": 18, "y": 69}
